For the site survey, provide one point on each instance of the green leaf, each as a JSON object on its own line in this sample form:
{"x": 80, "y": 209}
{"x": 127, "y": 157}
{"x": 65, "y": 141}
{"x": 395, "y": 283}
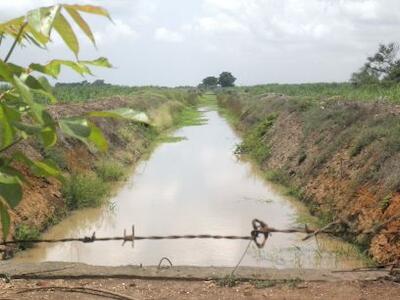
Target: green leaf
{"x": 12, "y": 26}
{"x": 100, "y": 62}
{"x": 5, "y": 72}
{"x": 76, "y": 66}
{"x": 23, "y": 90}
{"x": 47, "y": 95}
{"x": 5, "y": 220}
{"x": 6, "y": 131}
{"x": 7, "y": 118}
{"x": 45, "y": 84}
{"x": 10, "y": 189}
{"x": 43, "y": 168}
{"x": 52, "y": 69}
{"x": 27, "y": 128}
{"x": 35, "y": 37}
{"x": 40, "y": 85}
{"x": 84, "y": 131}
{"x": 37, "y": 110}
{"x": 15, "y": 69}
{"x": 48, "y": 22}
{"x": 97, "y": 10}
{"x": 80, "y": 22}
{"x": 35, "y": 17}
{"x": 48, "y": 136}
{"x": 76, "y": 127}
{"x": 65, "y": 31}
{"x": 42, "y": 20}
{"x": 11, "y": 171}
{"x": 122, "y": 113}
{"x": 97, "y": 138}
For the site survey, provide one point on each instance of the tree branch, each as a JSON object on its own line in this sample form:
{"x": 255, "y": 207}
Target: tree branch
{"x": 21, "y": 30}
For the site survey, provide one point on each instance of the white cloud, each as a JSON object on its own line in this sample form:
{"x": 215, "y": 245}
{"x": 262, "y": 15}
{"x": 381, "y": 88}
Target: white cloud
{"x": 258, "y": 40}
{"x": 165, "y": 35}
{"x": 116, "y": 32}
{"x": 221, "y": 23}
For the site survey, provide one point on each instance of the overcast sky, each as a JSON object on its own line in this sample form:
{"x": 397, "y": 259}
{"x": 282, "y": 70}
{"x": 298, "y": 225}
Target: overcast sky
{"x": 179, "y": 42}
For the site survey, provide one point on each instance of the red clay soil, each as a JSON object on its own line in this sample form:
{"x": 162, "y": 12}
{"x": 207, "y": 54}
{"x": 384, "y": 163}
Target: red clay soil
{"x": 142, "y": 289}
{"x": 318, "y": 161}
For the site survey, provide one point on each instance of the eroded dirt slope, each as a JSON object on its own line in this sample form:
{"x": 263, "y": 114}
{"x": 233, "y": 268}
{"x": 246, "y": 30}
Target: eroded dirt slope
{"x": 43, "y": 203}
{"x": 341, "y": 158}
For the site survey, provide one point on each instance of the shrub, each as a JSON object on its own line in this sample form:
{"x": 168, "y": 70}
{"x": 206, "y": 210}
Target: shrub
{"x": 253, "y": 141}
{"x": 57, "y": 155}
{"x": 276, "y": 176}
{"x": 84, "y": 190}
{"x": 26, "y": 232}
{"x": 385, "y": 202}
{"x": 109, "y": 170}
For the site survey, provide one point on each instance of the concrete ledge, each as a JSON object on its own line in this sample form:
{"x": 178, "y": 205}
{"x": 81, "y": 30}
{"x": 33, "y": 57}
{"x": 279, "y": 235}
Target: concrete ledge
{"x": 62, "y": 270}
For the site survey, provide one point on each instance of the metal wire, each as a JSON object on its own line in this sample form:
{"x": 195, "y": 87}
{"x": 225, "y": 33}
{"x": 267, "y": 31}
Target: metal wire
{"x": 125, "y": 239}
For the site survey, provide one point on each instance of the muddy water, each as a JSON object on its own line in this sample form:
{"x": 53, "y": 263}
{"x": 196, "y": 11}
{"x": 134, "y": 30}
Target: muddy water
{"x": 191, "y": 187}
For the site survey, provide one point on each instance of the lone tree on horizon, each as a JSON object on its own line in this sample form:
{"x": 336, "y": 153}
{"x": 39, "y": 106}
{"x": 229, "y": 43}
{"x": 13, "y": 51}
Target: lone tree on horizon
{"x": 226, "y": 79}
{"x": 210, "y": 82}
{"x": 383, "y": 66}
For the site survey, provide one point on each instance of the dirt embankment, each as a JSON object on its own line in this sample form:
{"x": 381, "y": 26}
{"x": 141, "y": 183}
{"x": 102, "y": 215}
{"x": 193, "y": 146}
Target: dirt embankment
{"x": 43, "y": 201}
{"x": 77, "y": 281}
{"x": 341, "y": 158}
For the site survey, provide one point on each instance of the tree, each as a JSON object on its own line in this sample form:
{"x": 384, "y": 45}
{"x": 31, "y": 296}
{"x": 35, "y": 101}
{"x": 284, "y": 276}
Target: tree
{"x": 22, "y": 118}
{"x": 99, "y": 82}
{"x": 364, "y": 76}
{"x": 226, "y": 79}
{"x": 384, "y": 65}
{"x": 210, "y": 82}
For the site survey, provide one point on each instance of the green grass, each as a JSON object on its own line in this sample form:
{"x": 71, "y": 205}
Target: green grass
{"x": 276, "y": 176}
{"x": 263, "y": 284}
{"x": 228, "y": 281}
{"x": 334, "y": 91}
{"x": 26, "y": 232}
{"x": 190, "y": 116}
{"x": 385, "y": 202}
{"x": 109, "y": 169}
{"x": 171, "y": 139}
{"x": 254, "y": 143}
{"x": 208, "y": 100}
{"x": 84, "y": 190}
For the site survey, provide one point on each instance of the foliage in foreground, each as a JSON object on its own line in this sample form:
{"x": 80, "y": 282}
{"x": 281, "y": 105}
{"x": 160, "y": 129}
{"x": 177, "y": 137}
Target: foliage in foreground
{"x": 22, "y": 116}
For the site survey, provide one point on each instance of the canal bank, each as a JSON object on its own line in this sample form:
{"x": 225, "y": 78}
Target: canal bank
{"x": 194, "y": 186}
{"x": 90, "y": 176}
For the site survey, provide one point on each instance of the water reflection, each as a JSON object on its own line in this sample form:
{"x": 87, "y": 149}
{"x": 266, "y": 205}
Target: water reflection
{"x": 194, "y": 186}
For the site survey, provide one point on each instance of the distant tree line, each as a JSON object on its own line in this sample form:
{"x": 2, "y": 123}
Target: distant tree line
{"x": 225, "y": 79}
{"x": 98, "y": 82}
{"x": 382, "y": 67}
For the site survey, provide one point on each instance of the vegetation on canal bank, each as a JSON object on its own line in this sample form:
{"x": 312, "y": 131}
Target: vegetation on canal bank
{"x": 339, "y": 157}
{"x": 90, "y": 175}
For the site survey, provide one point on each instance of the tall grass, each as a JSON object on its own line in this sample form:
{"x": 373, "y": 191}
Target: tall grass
{"x": 341, "y": 91}
{"x": 110, "y": 170}
{"x": 84, "y": 190}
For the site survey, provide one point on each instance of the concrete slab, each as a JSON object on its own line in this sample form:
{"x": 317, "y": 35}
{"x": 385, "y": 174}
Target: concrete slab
{"x": 62, "y": 270}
